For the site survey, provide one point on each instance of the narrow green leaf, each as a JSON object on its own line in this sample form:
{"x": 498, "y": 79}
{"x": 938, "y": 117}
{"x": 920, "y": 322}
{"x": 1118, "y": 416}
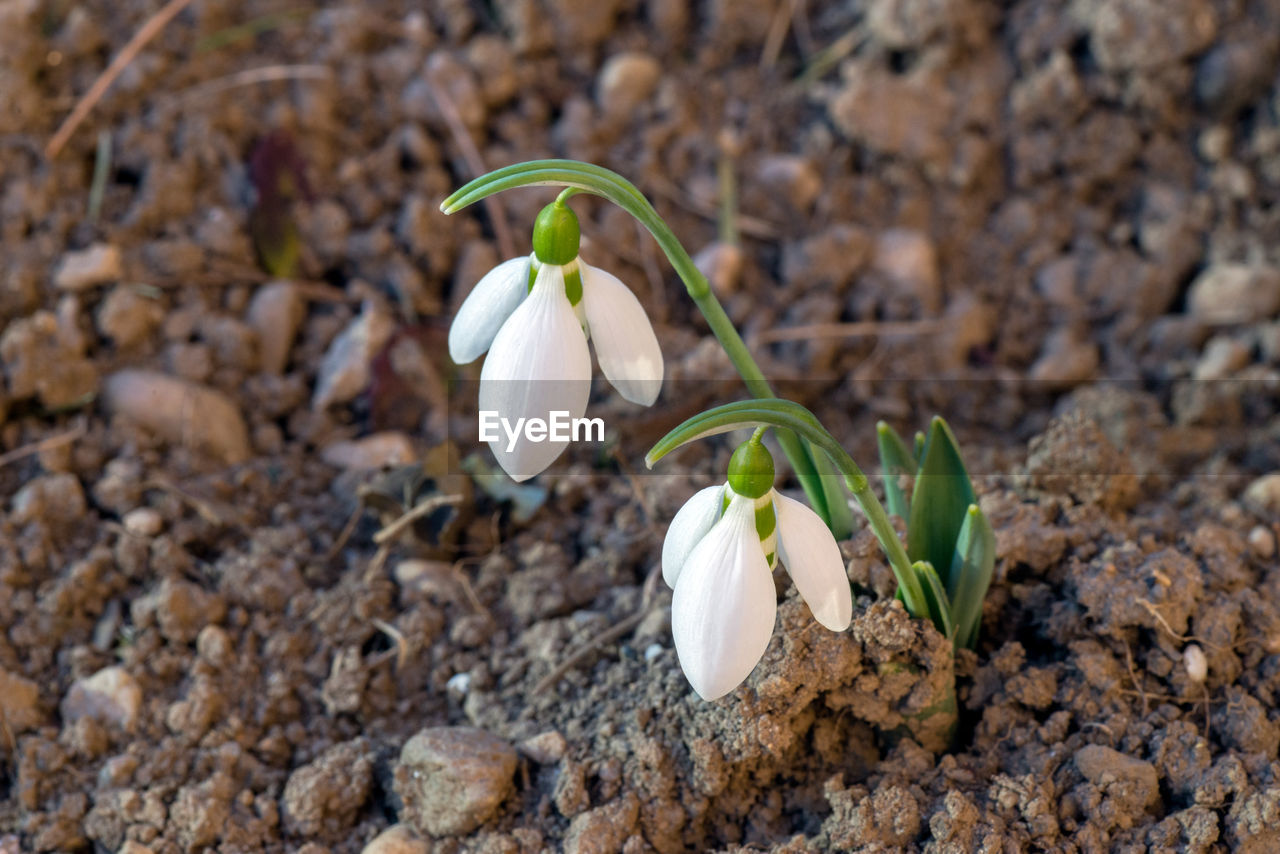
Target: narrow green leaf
{"x": 939, "y": 499}
{"x": 839, "y": 517}
{"x": 919, "y": 446}
{"x": 971, "y": 569}
{"x": 897, "y": 462}
{"x": 935, "y": 596}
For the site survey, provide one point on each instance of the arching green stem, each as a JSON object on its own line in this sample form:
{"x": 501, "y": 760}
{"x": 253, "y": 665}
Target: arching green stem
{"x": 576, "y": 176}
{"x": 785, "y": 415}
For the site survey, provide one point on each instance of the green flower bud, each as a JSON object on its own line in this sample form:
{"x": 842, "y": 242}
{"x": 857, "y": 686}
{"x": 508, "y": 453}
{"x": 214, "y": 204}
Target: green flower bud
{"x": 556, "y": 234}
{"x": 751, "y": 469}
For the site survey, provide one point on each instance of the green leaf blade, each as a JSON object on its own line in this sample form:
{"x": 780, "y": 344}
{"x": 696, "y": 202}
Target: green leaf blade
{"x": 936, "y": 597}
{"x": 897, "y": 462}
{"x": 939, "y": 500}
{"x": 972, "y": 566}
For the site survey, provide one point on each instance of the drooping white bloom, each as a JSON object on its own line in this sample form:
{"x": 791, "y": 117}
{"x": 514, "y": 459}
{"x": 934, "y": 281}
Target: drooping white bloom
{"x": 538, "y": 360}
{"x": 718, "y": 557}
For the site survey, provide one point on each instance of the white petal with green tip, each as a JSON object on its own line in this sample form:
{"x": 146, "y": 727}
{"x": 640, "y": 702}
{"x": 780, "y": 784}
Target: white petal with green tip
{"x": 812, "y": 557}
{"x": 538, "y": 364}
{"x": 690, "y": 525}
{"x": 724, "y": 605}
{"x": 486, "y": 308}
{"x": 625, "y": 343}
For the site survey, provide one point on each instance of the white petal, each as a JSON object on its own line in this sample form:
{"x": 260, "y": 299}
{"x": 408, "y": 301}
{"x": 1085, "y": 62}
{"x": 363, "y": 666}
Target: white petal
{"x": 689, "y": 525}
{"x": 539, "y": 364}
{"x": 625, "y": 344}
{"x": 486, "y": 308}
{"x": 810, "y": 553}
{"x": 724, "y": 604}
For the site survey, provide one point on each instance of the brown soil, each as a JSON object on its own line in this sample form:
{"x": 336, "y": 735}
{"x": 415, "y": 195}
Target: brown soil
{"x": 1086, "y": 192}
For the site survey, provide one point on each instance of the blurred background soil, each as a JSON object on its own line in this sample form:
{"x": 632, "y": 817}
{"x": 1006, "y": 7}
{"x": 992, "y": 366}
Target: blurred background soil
{"x": 223, "y": 308}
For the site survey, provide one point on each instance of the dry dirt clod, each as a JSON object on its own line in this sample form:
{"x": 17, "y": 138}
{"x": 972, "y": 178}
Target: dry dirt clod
{"x": 180, "y": 411}
{"x": 1123, "y": 776}
{"x": 54, "y": 499}
{"x": 19, "y": 697}
{"x": 96, "y": 265}
{"x": 328, "y": 792}
{"x": 111, "y": 696}
{"x": 1262, "y": 541}
{"x": 128, "y": 317}
{"x": 1067, "y": 359}
{"x": 452, "y": 779}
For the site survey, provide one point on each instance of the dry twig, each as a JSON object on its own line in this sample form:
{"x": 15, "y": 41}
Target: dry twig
{"x": 149, "y": 30}
{"x": 41, "y": 446}
{"x": 248, "y": 77}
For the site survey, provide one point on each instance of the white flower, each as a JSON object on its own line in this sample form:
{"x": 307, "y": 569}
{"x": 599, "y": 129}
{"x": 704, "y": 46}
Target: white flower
{"x": 538, "y": 360}
{"x": 718, "y": 560}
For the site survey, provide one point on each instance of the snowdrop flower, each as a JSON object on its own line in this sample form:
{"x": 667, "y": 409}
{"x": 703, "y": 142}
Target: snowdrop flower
{"x": 534, "y": 316}
{"x": 718, "y": 557}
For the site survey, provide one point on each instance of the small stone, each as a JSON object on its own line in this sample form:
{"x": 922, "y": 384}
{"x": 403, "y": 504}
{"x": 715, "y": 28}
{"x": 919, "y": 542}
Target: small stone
{"x": 1193, "y": 659}
{"x": 1133, "y": 779}
{"x": 19, "y": 697}
{"x": 1148, "y": 34}
{"x": 1222, "y": 357}
{"x": 1262, "y": 542}
{"x": 388, "y": 448}
{"x": 128, "y": 317}
{"x": 345, "y": 369}
{"x": 275, "y": 313}
{"x": 452, "y": 779}
{"x": 95, "y": 265}
{"x": 180, "y": 411}
{"x": 791, "y": 177}
{"x": 1066, "y": 360}
{"x": 722, "y": 264}
{"x": 436, "y": 578}
{"x": 143, "y": 522}
{"x": 545, "y": 748}
{"x": 53, "y": 498}
{"x": 38, "y": 362}
{"x": 459, "y": 684}
{"x": 1263, "y": 495}
{"x": 111, "y": 697}
{"x": 626, "y": 81}
{"x": 907, "y": 258}
{"x": 397, "y": 839}
{"x": 1235, "y": 293}
{"x": 652, "y": 651}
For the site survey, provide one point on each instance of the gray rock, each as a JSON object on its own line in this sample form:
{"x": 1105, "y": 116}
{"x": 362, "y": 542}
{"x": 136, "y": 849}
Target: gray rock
{"x": 96, "y": 265}
{"x": 110, "y": 696}
{"x": 452, "y": 779}
{"x": 1146, "y": 34}
{"x": 1235, "y": 293}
